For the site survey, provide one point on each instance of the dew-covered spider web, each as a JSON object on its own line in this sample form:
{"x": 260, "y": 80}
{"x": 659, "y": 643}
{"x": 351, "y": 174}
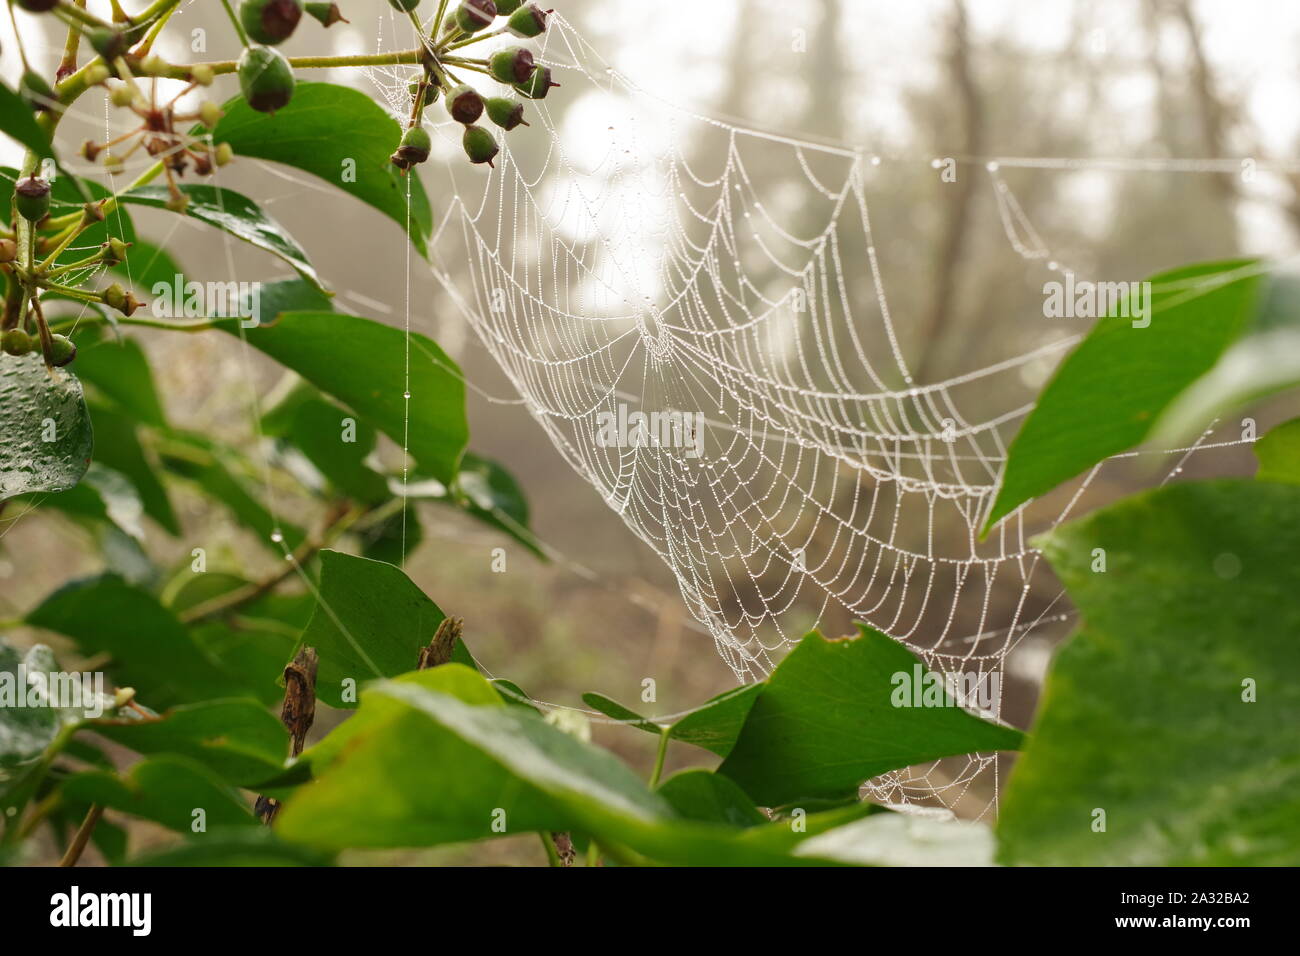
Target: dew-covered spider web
{"x": 635, "y": 256}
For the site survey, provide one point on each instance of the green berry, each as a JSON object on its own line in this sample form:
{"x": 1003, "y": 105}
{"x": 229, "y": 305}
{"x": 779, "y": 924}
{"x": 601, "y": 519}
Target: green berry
{"x": 507, "y": 7}
{"x": 538, "y": 85}
{"x": 265, "y": 78}
{"x": 405, "y": 6}
{"x": 474, "y": 15}
{"x": 414, "y": 148}
{"x": 61, "y": 351}
{"x": 511, "y": 65}
{"x": 464, "y": 104}
{"x": 327, "y": 13}
{"x": 108, "y": 43}
{"x": 529, "y": 21}
{"x": 36, "y": 92}
{"x": 505, "y": 112}
{"x": 32, "y": 198}
{"x": 16, "y": 342}
{"x": 38, "y": 6}
{"x": 480, "y": 146}
{"x": 270, "y": 21}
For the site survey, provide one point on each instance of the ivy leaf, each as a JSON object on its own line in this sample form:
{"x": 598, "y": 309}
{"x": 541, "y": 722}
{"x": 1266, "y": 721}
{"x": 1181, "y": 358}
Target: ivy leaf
{"x": 362, "y": 363}
{"x": 1174, "y": 709}
{"x": 305, "y": 135}
{"x": 371, "y": 622}
{"x": 829, "y": 718}
{"x": 1279, "y": 453}
{"x": 166, "y": 789}
{"x": 47, "y": 432}
{"x": 237, "y": 739}
{"x": 151, "y": 650}
{"x": 235, "y": 214}
{"x": 714, "y": 725}
{"x": 1107, "y": 394}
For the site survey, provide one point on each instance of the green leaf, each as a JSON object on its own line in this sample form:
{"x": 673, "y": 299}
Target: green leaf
{"x": 306, "y": 135}
{"x": 119, "y": 448}
{"x": 32, "y": 711}
{"x": 1174, "y": 709}
{"x": 119, "y": 371}
{"x": 830, "y": 717}
{"x": 1279, "y": 453}
{"x": 898, "y": 839}
{"x": 103, "y": 495}
{"x": 151, "y": 650}
{"x": 1108, "y": 393}
{"x": 709, "y": 798}
{"x": 240, "y": 846}
{"x": 235, "y": 214}
{"x": 714, "y": 725}
{"x": 362, "y": 363}
{"x": 236, "y": 739}
{"x": 483, "y": 489}
{"x": 338, "y": 446}
{"x": 203, "y": 462}
{"x": 47, "y": 432}
{"x": 371, "y": 622}
{"x": 18, "y": 122}
{"x": 165, "y": 789}
{"x": 1252, "y": 369}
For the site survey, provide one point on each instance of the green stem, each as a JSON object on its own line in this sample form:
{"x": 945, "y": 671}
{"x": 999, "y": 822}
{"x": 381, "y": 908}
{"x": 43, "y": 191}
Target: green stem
{"x": 475, "y": 38}
{"x": 68, "y": 12}
{"x": 552, "y": 854}
{"x": 239, "y": 27}
{"x": 659, "y": 757}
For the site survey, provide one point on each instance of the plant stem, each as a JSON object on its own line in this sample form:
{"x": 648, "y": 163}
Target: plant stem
{"x": 239, "y": 27}
{"x": 552, "y": 854}
{"x": 79, "y": 841}
{"x": 659, "y": 757}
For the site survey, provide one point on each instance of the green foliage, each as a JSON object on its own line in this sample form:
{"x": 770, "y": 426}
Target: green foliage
{"x": 1173, "y": 709}
{"x": 47, "y": 432}
{"x": 1279, "y": 453}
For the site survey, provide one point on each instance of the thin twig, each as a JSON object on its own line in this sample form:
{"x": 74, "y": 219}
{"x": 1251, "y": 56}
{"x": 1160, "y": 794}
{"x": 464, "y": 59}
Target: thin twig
{"x": 84, "y": 831}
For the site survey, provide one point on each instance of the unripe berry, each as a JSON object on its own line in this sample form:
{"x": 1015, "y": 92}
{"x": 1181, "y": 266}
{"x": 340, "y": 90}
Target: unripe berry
{"x": 61, "y": 351}
{"x": 38, "y": 6}
{"x": 202, "y": 74}
{"x": 115, "y": 297}
{"x": 474, "y": 15}
{"x": 223, "y": 155}
{"x": 414, "y": 148}
{"x": 115, "y": 251}
{"x": 210, "y": 114}
{"x": 327, "y": 13}
{"x": 529, "y": 21}
{"x": 464, "y": 104}
{"x": 270, "y": 21}
{"x": 507, "y": 7}
{"x": 16, "y": 342}
{"x": 505, "y": 112}
{"x": 122, "y": 95}
{"x": 154, "y": 65}
{"x": 32, "y": 198}
{"x": 511, "y": 65}
{"x": 8, "y": 250}
{"x": 480, "y": 146}
{"x": 538, "y": 85}
{"x": 405, "y": 6}
{"x": 265, "y": 78}
{"x": 90, "y": 150}
{"x": 107, "y": 42}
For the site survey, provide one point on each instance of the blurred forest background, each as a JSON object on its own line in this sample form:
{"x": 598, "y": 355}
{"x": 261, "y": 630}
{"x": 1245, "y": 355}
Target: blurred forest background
{"x": 974, "y": 79}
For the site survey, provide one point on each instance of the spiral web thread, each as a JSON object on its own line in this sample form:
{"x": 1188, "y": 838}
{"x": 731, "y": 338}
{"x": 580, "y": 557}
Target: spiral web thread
{"x": 635, "y": 262}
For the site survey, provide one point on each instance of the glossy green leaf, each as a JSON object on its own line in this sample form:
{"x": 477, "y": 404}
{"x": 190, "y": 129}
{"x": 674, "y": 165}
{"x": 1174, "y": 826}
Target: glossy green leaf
{"x": 362, "y": 363}
{"x": 18, "y": 122}
{"x": 233, "y": 213}
{"x": 306, "y": 135}
{"x": 1278, "y": 452}
{"x": 165, "y": 789}
{"x": 119, "y": 448}
{"x": 1173, "y": 711}
{"x": 1107, "y": 394}
{"x": 47, "y": 432}
{"x": 337, "y": 445}
{"x": 32, "y": 709}
{"x": 103, "y": 495}
{"x": 238, "y": 739}
{"x": 714, "y": 725}
{"x": 483, "y": 489}
{"x": 371, "y": 622}
{"x": 151, "y": 651}
{"x": 709, "y": 798}
{"x": 898, "y": 839}
{"x": 830, "y": 718}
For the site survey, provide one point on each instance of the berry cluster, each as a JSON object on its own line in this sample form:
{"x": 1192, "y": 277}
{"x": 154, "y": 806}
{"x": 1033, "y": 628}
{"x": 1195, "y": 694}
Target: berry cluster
{"x": 514, "y": 67}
